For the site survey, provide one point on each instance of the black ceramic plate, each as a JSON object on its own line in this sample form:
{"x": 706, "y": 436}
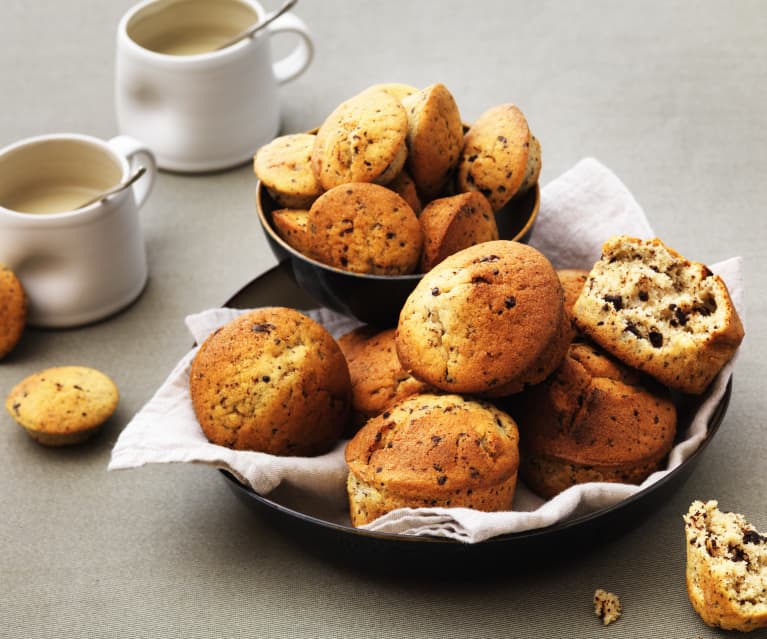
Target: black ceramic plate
{"x": 386, "y": 551}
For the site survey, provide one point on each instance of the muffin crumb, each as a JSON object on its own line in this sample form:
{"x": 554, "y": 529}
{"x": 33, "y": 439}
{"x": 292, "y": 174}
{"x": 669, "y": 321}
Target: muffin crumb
{"x": 607, "y": 606}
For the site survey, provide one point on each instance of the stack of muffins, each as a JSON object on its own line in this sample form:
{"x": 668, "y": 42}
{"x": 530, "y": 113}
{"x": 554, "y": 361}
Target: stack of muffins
{"x": 499, "y": 366}
{"x": 391, "y": 184}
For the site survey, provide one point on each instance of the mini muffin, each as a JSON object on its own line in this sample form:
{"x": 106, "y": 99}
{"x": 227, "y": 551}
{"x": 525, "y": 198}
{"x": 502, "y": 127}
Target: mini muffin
{"x": 482, "y": 319}
{"x": 13, "y": 310}
{"x": 726, "y": 568}
{"x": 290, "y": 225}
{"x": 378, "y": 379}
{"x": 63, "y": 405}
{"x": 433, "y": 450}
{"x": 284, "y": 168}
{"x": 434, "y": 138}
{"x": 272, "y": 380}
{"x": 534, "y": 165}
{"x": 365, "y": 228}
{"x": 594, "y": 419}
{"x": 495, "y": 154}
{"x": 453, "y": 223}
{"x": 404, "y": 186}
{"x": 362, "y": 140}
{"x": 659, "y": 312}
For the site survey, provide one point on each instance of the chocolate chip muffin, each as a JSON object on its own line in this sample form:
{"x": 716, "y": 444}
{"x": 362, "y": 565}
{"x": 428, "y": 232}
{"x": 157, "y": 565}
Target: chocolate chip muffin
{"x": 284, "y": 168}
{"x": 726, "y": 568}
{"x": 659, "y": 312}
{"x": 484, "y": 320}
{"x": 13, "y": 310}
{"x": 378, "y": 379}
{"x": 272, "y": 380}
{"x": 453, "y": 223}
{"x": 434, "y": 138}
{"x": 63, "y": 405}
{"x": 593, "y": 419}
{"x": 495, "y": 154}
{"x": 365, "y": 228}
{"x": 291, "y": 226}
{"x": 433, "y": 450}
{"x": 362, "y": 140}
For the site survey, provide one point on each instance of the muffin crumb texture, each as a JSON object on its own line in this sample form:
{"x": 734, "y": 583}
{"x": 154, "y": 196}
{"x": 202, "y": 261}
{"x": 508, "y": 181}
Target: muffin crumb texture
{"x": 726, "y": 568}
{"x": 607, "y": 606}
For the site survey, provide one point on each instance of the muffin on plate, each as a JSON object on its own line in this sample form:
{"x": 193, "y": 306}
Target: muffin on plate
{"x": 593, "y": 419}
{"x": 272, "y": 380}
{"x": 433, "y": 450}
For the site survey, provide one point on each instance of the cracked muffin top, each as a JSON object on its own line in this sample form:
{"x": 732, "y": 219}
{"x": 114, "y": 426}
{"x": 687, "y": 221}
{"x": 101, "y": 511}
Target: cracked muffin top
{"x": 272, "y": 380}
{"x": 481, "y": 317}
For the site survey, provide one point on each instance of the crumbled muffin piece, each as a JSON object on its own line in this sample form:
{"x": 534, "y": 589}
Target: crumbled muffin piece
{"x": 607, "y": 606}
{"x": 726, "y": 568}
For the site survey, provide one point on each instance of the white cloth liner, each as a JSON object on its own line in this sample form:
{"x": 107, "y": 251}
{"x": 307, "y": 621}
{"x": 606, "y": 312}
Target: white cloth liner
{"x": 579, "y": 211}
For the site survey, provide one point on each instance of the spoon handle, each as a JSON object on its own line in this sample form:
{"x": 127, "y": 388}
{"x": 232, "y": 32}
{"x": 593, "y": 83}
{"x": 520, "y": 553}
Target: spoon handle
{"x": 115, "y": 189}
{"x": 252, "y": 30}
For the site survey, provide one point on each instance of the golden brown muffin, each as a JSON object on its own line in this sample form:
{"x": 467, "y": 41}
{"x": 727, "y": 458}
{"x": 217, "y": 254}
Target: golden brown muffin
{"x": 453, "y": 223}
{"x": 482, "y": 318}
{"x": 284, "y": 168}
{"x": 365, "y": 228}
{"x": 659, "y": 312}
{"x": 534, "y": 165}
{"x": 290, "y": 225}
{"x": 362, "y": 140}
{"x": 404, "y": 186}
{"x": 495, "y": 153}
{"x": 63, "y": 405}
{"x": 726, "y": 568}
{"x": 352, "y": 342}
{"x": 13, "y": 310}
{"x": 434, "y": 138}
{"x": 594, "y": 419}
{"x": 378, "y": 379}
{"x": 433, "y": 450}
{"x": 572, "y": 280}
{"x": 272, "y": 380}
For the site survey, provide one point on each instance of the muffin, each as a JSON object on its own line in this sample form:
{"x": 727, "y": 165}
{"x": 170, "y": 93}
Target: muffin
{"x": 378, "y": 379}
{"x": 593, "y": 419}
{"x": 272, "y": 380}
{"x": 13, "y": 310}
{"x": 434, "y": 138}
{"x": 284, "y": 168}
{"x": 572, "y": 280}
{"x": 482, "y": 320}
{"x": 291, "y": 226}
{"x": 495, "y": 154}
{"x": 659, "y": 312}
{"x": 398, "y": 90}
{"x": 365, "y": 228}
{"x": 404, "y": 186}
{"x": 63, "y": 405}
{"x": 726, "y": 568}
{"x": 362, "y": 140}
{"x": 453, "y": 223}
{"x": 433, "y": 450}
{"x": 533, "y": 169}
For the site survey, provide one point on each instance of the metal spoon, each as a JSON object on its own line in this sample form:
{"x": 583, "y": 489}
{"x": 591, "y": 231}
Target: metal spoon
{"x": 247, "y": 33}
{"x": 116, "y": 189}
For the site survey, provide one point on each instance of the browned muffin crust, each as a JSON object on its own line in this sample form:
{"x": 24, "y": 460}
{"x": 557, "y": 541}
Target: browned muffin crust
{"x": 481, "y": 318}
{"x": 433, "y": 450}
{"x": 272, "y": 380}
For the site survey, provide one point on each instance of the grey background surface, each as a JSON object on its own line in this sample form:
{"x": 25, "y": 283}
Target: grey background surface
{"x": 670, "y": 95}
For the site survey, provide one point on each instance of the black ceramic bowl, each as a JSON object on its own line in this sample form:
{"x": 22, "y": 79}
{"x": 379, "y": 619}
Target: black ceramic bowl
{"x": 375, "y": 299}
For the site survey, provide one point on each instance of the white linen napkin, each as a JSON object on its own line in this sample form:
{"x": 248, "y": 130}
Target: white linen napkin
{"x": 579, "y": 211}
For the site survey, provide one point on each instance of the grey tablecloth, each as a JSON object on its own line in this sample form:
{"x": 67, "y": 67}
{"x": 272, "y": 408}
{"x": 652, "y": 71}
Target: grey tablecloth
{"x": 669, "y": 95}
